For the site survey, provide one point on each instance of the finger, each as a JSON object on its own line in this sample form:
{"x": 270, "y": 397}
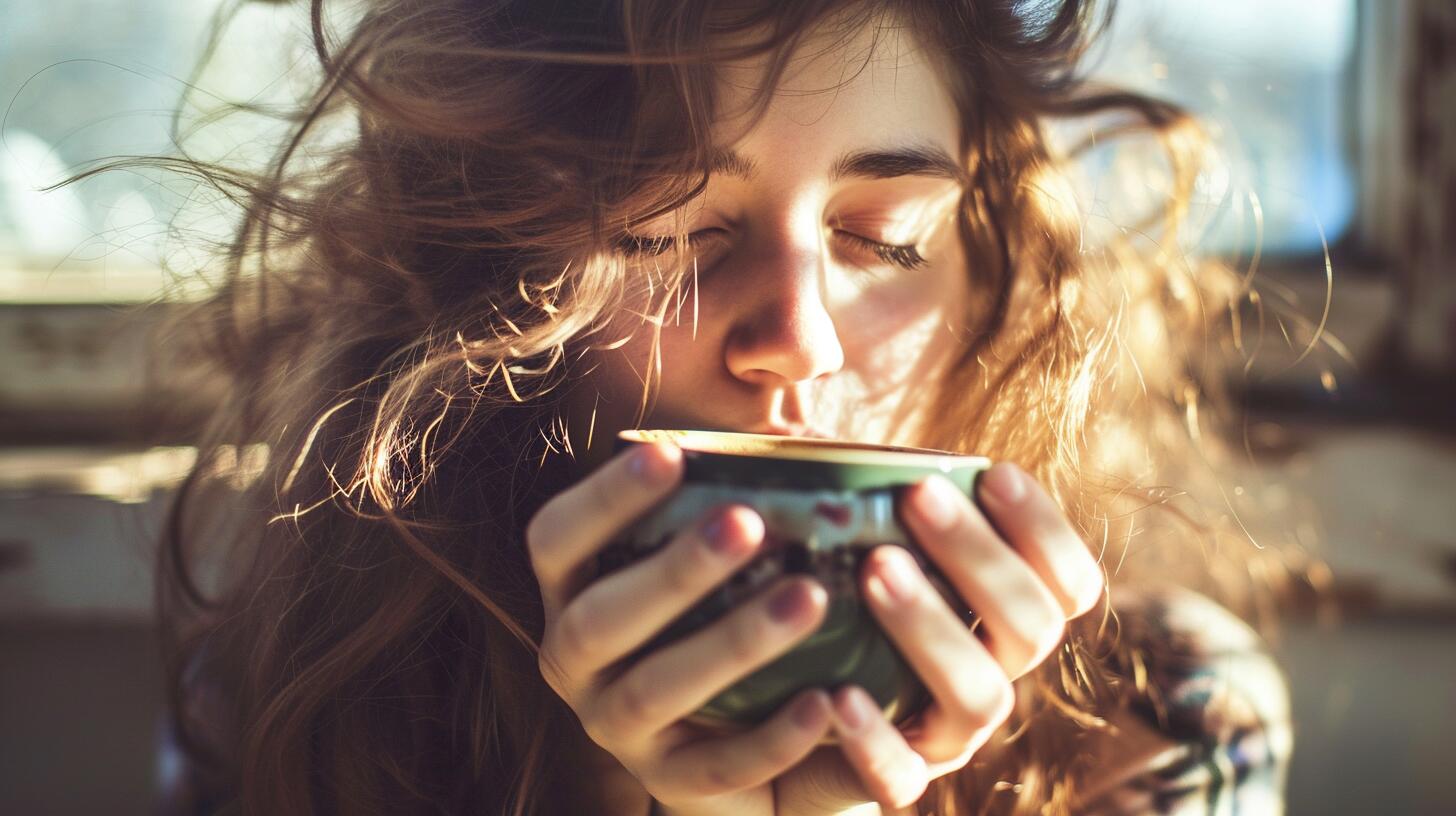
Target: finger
{"x": 618, "y": 613}
{"x": 716, "y": 766}
{"x": 574, "y": 524}
{"x": 678, "y": 679}
{"x": 1031, "y": 522}
{"x": 972, "y": 694}
{"x": 1021, "y": 618}
{"x": 891, "y": 772}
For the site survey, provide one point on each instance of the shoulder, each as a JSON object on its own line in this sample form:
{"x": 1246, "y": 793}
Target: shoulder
{"x": 1208, "y": 729}
{"x": 1208, "y": 674}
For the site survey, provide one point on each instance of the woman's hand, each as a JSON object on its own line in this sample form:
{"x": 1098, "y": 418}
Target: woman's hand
{"x": 1024, "y": 586}
{"x": 591, "y": 625}
{"x": 1024, "y": 581}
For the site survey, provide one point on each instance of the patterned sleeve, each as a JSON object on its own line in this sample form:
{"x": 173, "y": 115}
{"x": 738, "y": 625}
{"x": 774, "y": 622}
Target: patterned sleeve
{"x": 1210, "y": 731}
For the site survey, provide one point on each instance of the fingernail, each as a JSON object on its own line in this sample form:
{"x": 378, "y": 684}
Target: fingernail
{"x": 655, "y": 463}
{"x": 936, "y": 503}
{"x": 712, "y": 532}
{"x": 715, "y": 533}
{"x": 787, "y": 604}
{"x": 1005, "y": 482}
{"x": 808, "y": 713}
{"x": 896, "y": 575}
{"x": 855, "y": 708}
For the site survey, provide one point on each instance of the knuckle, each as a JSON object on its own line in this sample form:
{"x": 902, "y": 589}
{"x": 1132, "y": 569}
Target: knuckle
{"x": 601, "y": 495}
{"x": 717, "y": 779}
{"x": 889, "y": 560}
{"x": 683, "y": 567}
{"x": 575, "y": 639}
{"x": 746, "y": 634}
{"x": 633, "y": 704}
{"x": 593, "y": 726}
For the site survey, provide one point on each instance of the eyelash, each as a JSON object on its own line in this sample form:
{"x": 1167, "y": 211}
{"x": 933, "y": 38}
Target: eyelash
{"x": 905, "y": 257}
{"x": 636, "y": 245}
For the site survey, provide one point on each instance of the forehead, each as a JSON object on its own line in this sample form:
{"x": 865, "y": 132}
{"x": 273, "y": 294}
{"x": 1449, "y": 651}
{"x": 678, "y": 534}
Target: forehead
{"x": 843, "y": 89}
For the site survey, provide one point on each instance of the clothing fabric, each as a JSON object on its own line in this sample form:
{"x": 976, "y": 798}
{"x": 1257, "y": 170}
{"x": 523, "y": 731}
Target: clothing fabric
{"x": 1216, "y": 734}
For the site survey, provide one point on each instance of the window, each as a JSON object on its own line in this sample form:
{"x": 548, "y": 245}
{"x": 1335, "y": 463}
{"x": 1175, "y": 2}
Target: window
{"x": 83, "y": 81}
{"x": 1273, "y": 80}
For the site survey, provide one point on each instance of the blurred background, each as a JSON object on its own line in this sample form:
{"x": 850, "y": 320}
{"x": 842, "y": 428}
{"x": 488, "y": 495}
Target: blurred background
{"x": 1338, "y": 121}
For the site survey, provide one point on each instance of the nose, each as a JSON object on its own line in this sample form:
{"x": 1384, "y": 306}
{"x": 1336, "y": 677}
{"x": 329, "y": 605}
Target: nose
{"x": 783, "y": 332}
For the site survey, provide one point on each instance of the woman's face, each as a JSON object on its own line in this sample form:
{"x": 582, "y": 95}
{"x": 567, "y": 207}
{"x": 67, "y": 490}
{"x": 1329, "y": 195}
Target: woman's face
{"x": 806, "y": 317}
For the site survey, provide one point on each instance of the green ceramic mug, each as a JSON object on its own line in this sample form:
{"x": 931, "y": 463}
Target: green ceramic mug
{"x": 825, "y": 504}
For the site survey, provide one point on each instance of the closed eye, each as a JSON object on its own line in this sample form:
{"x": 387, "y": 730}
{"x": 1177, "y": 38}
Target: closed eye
{"x": 904, "y": 256}
{"x": 648, "y": 246}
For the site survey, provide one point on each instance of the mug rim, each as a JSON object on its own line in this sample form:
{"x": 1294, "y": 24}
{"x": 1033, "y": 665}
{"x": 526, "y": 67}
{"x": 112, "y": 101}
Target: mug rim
{"x": 801, "y": 448}
{"x": 725, "y": 457}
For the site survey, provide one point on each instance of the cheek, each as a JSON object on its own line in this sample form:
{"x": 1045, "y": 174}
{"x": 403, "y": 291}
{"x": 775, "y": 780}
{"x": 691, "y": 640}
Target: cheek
{"x": 886, "y": 310}
{"x": 620, "y": 374}
{"x": 895, "y": 325}
{"x": 896, "y": 348}
{"x": 608, "y": 378}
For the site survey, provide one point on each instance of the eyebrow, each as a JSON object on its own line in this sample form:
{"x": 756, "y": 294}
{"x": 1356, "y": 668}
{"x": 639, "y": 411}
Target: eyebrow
{"x": 879, "y": 163}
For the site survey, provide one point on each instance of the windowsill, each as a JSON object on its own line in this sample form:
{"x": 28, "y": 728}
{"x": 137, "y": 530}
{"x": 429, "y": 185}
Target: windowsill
{"x": 58, "y": 284}
{"x": 88, "y": 372}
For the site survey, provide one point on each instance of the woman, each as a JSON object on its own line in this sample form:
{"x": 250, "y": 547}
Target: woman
{"x": 558, "y": 220}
